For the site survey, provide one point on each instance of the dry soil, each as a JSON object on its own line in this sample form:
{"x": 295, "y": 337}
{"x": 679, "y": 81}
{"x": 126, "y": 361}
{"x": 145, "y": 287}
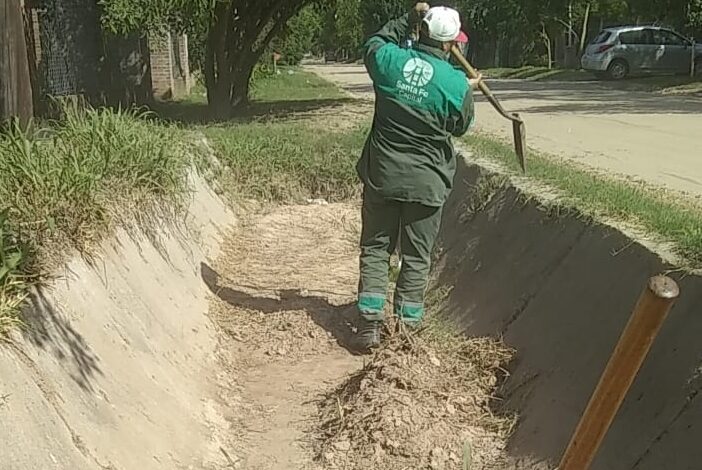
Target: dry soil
{"x": 300, "y": 398}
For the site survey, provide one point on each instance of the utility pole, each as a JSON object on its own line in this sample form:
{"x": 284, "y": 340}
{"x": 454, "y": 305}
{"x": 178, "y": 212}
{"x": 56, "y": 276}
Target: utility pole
{"x": 15, "y": 84}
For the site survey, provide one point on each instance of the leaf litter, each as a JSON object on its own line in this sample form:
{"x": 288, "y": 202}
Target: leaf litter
{"x": 423, "y": 401}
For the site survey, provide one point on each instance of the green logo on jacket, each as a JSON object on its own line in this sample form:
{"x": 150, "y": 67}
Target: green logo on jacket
{"x": 417, "y": 73}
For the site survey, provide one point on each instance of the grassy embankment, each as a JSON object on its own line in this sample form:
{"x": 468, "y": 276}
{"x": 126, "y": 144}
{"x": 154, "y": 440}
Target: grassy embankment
{"x": 65, "y": 185}
{"x": 666, "y": 216}
{"x": 295, "y": 147}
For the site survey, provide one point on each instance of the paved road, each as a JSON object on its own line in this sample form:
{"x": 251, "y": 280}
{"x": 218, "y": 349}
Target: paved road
{"x": 648, "y": 136}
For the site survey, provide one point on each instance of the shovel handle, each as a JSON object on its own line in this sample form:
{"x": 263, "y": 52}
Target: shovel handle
{"x": 472, "y": 73}
{"x": 470, "y": 70}
{"x": 517, "y": 124}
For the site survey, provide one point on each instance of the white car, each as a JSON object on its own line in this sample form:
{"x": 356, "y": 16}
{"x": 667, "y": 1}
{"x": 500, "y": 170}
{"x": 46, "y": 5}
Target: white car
{"x": 618, "y": 52}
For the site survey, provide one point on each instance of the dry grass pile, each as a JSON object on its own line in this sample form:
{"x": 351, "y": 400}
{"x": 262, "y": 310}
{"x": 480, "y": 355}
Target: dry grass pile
{"x": 423, "y": 401}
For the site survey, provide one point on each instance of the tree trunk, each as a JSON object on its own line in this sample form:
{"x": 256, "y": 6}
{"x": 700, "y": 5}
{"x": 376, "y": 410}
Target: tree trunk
{"x": 15, "y": 83}
{"x": 583, "y": 35}
{"x": 240, "y": 88}
{"x": 209, "y": 67}
{"x": 547, "y": 43}
{"x": 239, "y": 33}
{"x": 217, "y": 73}
{"x": 570, "y": 24}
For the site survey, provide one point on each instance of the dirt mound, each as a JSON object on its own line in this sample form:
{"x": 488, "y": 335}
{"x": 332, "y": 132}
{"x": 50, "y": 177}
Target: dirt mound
{"x": 423, "y": 401}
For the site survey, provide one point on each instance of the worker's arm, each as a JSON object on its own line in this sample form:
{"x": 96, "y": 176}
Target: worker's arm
{"x": 461, "y": 120}
{"x": 391, "y": 35}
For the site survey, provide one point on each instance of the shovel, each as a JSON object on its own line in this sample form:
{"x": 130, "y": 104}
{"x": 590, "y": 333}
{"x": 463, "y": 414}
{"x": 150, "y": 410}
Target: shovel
{"x": 518, "y": 127}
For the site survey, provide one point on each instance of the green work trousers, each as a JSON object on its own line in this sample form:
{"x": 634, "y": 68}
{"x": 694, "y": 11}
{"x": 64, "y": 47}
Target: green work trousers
{"x": 416, "y": 226}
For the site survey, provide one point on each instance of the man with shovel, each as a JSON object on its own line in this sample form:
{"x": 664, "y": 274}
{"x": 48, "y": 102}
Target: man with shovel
{"x": 408, "y": 163}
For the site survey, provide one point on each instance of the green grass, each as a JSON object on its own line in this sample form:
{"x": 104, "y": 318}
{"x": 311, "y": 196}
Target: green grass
{"x": 662, "y": 214}
{"x": 294, "y": 84}
{"x": 64, "y": 186}
{"x": 280, "y": 158}
{"x": 283, "y": 161}
{"x": 272, "y": 96}
{"x": 14, "y": 283}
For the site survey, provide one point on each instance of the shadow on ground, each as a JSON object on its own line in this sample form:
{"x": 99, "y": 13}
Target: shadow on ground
{"x": 338, "y": 320}
{"x": 191, "y": 112}
{"x": 49, "y": 330}
{"x": 571, "y": 287}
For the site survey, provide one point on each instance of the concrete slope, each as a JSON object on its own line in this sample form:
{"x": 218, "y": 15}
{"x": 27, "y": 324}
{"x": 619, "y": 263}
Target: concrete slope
{"x": 559, "y": 288}
{"x": 117, "y": 367}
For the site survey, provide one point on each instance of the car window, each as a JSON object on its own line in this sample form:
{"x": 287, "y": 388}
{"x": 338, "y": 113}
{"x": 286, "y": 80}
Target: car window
{"x": 667, "y": 38}
{"x": 636, "y": 37}
{"x": 602, "y": 37}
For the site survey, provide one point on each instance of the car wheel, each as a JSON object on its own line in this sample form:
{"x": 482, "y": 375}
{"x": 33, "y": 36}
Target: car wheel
{"x": 618, "y": 69}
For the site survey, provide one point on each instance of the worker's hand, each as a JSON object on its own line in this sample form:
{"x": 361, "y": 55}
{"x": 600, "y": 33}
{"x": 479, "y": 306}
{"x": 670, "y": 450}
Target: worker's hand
{"x": 421, "y": 8}
{"x": 418, "y": 12}
{"x": 475, "y": 82}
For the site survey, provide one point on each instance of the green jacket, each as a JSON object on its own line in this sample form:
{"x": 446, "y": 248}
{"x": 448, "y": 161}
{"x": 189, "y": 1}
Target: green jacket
{"x": 421, "y": 102}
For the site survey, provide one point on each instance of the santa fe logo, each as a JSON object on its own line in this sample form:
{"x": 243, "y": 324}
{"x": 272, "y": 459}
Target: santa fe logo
{"x": 417, "y": 73}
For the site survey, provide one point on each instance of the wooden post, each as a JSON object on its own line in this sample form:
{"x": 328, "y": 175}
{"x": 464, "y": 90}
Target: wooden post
{"x": 630, "y": 352}
{"x": 15, "y": 82}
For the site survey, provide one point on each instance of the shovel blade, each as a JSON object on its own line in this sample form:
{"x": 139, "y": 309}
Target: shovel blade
{"x": 519, "y": 130}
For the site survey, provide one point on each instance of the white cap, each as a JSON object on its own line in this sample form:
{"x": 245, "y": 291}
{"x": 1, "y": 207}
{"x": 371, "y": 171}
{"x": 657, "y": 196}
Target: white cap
{"x": 443, "y": 24}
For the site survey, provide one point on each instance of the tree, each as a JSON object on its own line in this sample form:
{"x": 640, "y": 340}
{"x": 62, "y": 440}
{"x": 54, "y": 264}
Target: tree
{"x": 238, "y": 35}
{"x": 299, "y": 36}
{"x": 376, "y": 13}
{"x": 694, "y": 18}
{"x": 349, "y": 25}
{"x": 237, "y": 32}
{"x": 342, "y": 27}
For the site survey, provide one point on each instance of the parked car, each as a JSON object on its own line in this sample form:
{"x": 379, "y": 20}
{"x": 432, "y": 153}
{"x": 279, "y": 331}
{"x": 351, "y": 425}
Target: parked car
{"x": 618, "y": 52}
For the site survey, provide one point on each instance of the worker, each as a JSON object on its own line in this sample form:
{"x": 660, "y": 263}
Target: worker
{"x": 408, "y": 162}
